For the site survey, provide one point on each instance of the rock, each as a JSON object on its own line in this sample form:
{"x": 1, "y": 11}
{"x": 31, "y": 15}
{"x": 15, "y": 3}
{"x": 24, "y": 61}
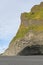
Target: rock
{"x": 29, "y": 38}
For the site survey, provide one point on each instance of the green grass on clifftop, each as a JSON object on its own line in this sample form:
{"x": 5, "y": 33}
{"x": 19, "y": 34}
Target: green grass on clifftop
{"x": 35, "y": 14}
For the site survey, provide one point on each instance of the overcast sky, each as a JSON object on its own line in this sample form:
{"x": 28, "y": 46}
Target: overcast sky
{"x": 10, "y": 11}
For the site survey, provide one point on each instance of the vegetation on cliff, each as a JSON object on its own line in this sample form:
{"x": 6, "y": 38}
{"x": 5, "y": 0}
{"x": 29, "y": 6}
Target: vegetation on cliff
{"x": 36, "y": 13}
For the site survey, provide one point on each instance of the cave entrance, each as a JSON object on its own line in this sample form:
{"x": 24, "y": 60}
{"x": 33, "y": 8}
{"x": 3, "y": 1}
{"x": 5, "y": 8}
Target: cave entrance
{"x": 31, "y": 50}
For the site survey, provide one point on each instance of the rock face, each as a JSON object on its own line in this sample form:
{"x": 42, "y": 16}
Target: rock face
{"x": 29, "y": 38}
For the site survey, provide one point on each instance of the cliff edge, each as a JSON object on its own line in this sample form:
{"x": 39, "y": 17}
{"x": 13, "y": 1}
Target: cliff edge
{"x": 29, "y": 38}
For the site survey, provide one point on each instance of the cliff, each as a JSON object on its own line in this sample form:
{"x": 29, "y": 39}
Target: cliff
{"x": 29, "y": 38}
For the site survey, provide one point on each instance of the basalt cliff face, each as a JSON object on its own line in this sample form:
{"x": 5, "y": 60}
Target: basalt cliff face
{"x": 29, "y": 38}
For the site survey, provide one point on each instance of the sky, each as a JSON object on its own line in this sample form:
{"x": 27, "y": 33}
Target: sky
{"x": 10, "y": 12}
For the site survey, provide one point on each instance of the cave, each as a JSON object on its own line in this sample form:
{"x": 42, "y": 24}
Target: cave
{"x": 31, "y": 50}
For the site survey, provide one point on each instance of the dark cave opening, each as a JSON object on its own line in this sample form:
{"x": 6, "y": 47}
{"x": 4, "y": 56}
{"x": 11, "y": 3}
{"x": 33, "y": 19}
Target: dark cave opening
{"x": 31, "y": 50}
